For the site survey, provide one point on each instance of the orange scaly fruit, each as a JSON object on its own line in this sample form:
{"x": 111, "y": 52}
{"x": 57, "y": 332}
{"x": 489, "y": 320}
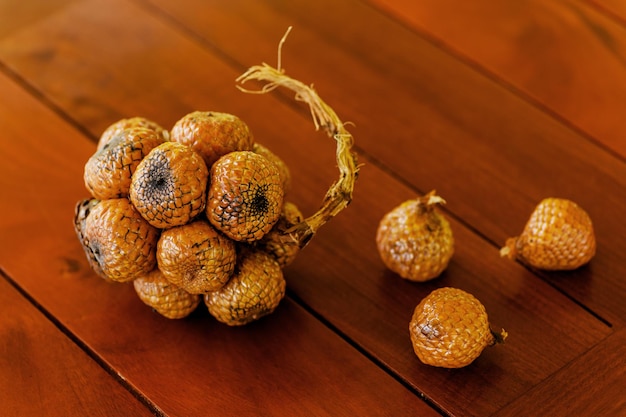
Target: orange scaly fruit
{"x": 81, "y": 212}
{"x": 120, "y": 245}
{"x": 279, "y": 244}
{"x": 558, "y": 236}
{"x": 212, "y": 134}
{"x": 255, "y": 290}
{"x": 450, "y": 329}
{"x": 126, "y": 124}
{"x": 169, "y": 185}
{"x": 285, "y": 174}
{"x": 164, "y": 297}
{"x": 109, "y": 170}
{"x": 196, "y": 257}
{"x": 245, "y": 196}
{"x": 415, "y": 240}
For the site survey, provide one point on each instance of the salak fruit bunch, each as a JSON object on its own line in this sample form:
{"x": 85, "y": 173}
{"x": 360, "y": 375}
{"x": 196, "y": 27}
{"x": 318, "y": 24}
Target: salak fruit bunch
{"x": 198, "y": 213}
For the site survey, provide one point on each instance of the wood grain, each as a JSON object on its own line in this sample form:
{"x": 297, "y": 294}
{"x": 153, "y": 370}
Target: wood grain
{"x": 442, "y": 124}
{"x": 615, "y": 8}
{"x": 590, "y": 398}
{"x": 290, "y": 364}
{"x": 425, "y": 116}
{"x": 320, "y": 290}
{"x": 567, "y": 56}
{"x": 16, "y": 14}
{"x": 530, "y": 310}
{"x": 31, "y": 347}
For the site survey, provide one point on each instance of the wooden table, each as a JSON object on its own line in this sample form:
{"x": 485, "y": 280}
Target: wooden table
{"x": 495, "y": 104}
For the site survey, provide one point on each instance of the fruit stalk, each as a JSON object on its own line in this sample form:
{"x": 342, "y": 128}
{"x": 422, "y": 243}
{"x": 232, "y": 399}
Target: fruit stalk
{"x": 339, "y": 195}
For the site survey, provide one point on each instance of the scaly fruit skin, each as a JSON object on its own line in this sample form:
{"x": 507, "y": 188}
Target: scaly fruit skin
{"x": 254, "y": 291}
{"x": 81, "y": 212}
{"x": 109, "y": 170}
{"x": 277, "y": 242}
{"x": 164, "y": 297}
{"x": 285, "y": 174}
{"x": 196, "y": 257}
{"x": 169, "y": 185}
{"x": 558, "y": 236}
{"x": 212, "y": 134}
{"x": 414, "y": 240}
{"x": 120, "y": 245}
{"x": 450, "y": 328}
{"x": 245, "y": 196}
{"x": 126, "y": 124}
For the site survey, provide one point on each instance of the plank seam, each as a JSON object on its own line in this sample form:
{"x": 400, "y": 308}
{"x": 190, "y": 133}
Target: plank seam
{"x": 154, "y": 409}
{"x": 506, "y": 85}
{"x": 372, "y": 358}
{"x": 47, "y": 102}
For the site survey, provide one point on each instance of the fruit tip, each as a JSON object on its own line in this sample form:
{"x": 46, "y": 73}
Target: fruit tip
{"x": 508, "y": 250}
{"x": 435, "y": 199}
{"x": 430, "y": 199}
{"x": 499, "y": 338}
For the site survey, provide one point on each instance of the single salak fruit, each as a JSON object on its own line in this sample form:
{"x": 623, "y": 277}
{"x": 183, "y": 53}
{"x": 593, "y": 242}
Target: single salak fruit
{"x": 196, "y": 257}
{"x": 212, "y": 134}
{"x": 164, "y": 297}
{"x": 120, "y": 245}
{"x": 81, "y": 212}
{"x": 285, "y": 174}
{"x": 245, "y": 195}
{"x": 278, "y": 242}
{"x": 169, "y": 185}
{"x": 450, "y": 329}
{"x": 415, "y": 240}
{"x": 558, "y": 236}
{"x": 255, "y": 290}
{"x": 125, "y": 124}
{"x": 109, "y": 170}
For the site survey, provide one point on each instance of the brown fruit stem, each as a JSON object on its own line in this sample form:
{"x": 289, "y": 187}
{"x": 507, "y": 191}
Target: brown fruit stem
{"x": 339, "y": 195}
{"x": 498, "y": 338}
{"x": 427, "y": 202}
{"x": 509, "y": 249}
{"x": 430, "y": 199}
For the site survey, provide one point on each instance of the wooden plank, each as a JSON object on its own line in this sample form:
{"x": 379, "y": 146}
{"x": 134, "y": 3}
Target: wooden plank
{"x": 566, "y": 55}
{"x": 616, "y": 8}
{"x": 605, "y": 363}
{"x": 380, "y": 307}
{"x": 339, "y": 275}
{"x": 438, "y": 124}
{"x": 42, "y": 372}
{"x": 289, "y": 364}
{"x": 16, "y": 14}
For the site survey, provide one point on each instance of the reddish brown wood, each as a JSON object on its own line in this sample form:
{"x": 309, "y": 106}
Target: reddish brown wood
{"x": 431, "y": 104}
{"x": 424, "y": 119}
{"x": 567, "y": 55}
{"x": 438, "y": 104}
{"x": 616, "y": 8}
{"x": 529, "y": 309}
{"x": 604, "y": 363}
{"x": 16, "y": 14}
{"x": 290, "y": 364}
{"x": 42, "y": 372}
{"x": 492, "y": 155}
{"x": 509, "y": 147}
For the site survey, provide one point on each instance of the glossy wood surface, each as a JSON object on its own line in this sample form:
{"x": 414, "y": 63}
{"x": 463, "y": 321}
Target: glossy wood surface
{"x": 495, "y": 104}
